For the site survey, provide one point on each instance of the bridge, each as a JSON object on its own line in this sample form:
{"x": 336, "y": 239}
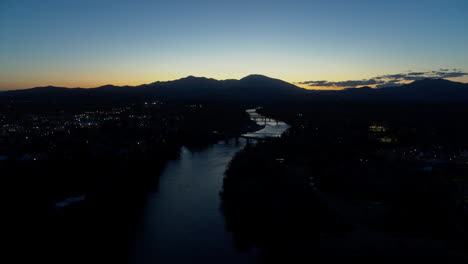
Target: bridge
{"x": 257, "y": 137}
{"x": 260, "y": 118}
{"x": 250, "y": 137}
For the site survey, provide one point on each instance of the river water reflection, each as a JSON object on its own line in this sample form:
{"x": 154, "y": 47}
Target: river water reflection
{"x": 182, "y": 221}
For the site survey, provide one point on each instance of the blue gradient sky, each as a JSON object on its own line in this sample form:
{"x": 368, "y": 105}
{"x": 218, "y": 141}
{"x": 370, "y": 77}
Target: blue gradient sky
{"x": 94, "y": 42}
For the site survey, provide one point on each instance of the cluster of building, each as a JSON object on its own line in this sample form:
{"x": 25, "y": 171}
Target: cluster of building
{"x": 33, "y": 136}
{"x": 450, "y": 162}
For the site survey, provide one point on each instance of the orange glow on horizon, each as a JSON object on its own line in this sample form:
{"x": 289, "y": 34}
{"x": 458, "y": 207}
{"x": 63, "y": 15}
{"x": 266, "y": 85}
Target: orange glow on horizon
{"x": 305, "y": 86}
{"x": 122, "y": 80}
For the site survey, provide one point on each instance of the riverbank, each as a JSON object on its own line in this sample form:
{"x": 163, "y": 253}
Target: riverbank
{"x": 88, "y": 207}
{"x": 329, "y": 190}
{"x": 182, "y": 222}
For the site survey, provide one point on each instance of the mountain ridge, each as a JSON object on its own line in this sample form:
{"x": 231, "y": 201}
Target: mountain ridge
{"x": 254, "y": 87}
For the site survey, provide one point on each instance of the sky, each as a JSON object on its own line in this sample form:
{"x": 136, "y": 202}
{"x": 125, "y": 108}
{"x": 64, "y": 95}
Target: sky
{"x": 88, "y": 43}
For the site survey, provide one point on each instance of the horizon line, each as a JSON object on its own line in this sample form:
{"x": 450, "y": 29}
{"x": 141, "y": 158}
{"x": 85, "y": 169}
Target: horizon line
{"x": 298, "y": 84}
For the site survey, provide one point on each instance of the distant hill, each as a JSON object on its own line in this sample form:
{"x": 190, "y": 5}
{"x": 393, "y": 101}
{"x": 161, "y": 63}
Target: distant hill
{"x": 427, "y": 90}
{"x": 250, "y": 88}
{"x": 253, "y": 88}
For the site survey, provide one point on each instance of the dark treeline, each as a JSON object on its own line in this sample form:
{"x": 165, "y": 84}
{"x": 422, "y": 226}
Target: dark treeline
{"x": 354, "y": 182}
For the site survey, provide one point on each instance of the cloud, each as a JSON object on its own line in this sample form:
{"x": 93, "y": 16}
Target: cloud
{"x": 390, "y": 80}
{"x": 393, "y": 76}
{"x": 315, "y": 83}
{"x": 416, "y": 73}
{"x": 390, "y": 83}
{"x": 453, "y": 74}
{"x": 349, "y": 83}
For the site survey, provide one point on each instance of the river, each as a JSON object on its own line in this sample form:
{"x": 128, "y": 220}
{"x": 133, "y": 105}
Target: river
{"x": 182, "y": 221}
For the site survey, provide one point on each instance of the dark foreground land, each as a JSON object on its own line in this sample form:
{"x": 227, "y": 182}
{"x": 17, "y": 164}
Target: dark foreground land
{"x": 354, "y": 182}
{"x": 76, "y": 178}
{"x": 347, "y": 182}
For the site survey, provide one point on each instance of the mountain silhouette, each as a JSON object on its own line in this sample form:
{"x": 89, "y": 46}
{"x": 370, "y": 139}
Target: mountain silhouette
{"x": 253, "y": 88}
{"x": 426, "y": 90}
{"x": 429, "y": 90}
{"x": 261, "y": 84}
